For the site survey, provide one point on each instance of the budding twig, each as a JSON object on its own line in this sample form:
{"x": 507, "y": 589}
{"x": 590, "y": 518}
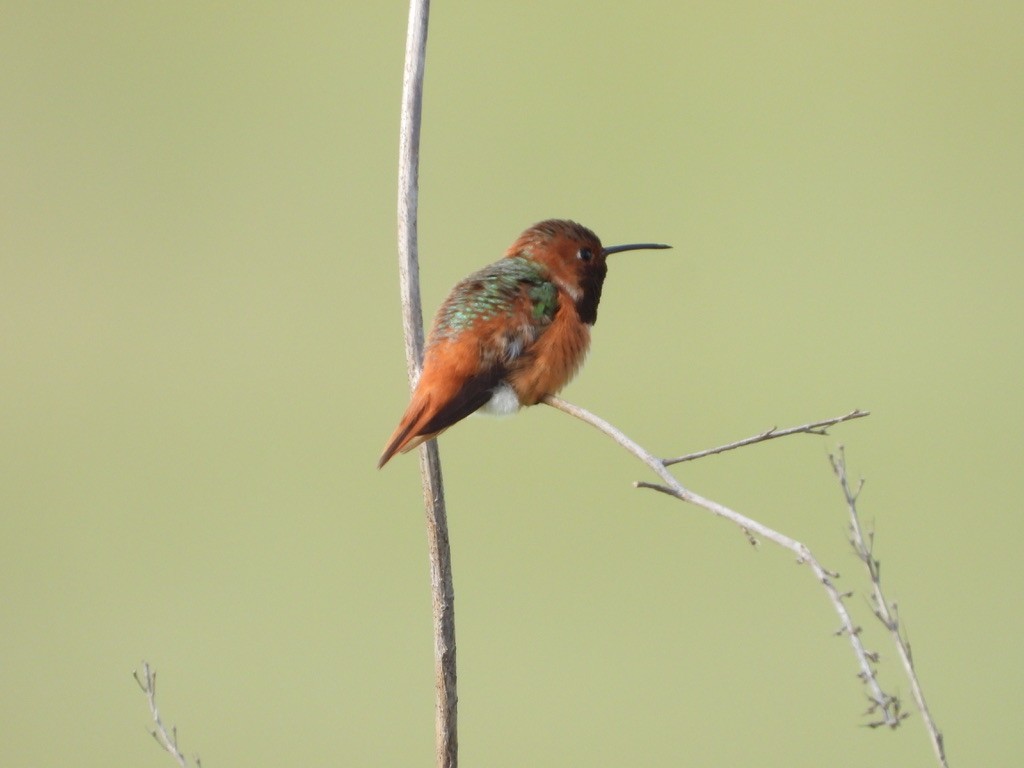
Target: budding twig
{"x": 885, "y": 610}
{"x": 167, "y": 741}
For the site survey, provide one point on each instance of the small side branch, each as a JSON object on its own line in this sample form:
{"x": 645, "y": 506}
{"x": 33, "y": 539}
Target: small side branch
{"x": 886, "y": 705}
{"x": 885, "y": 610}
{"x": 167, "y": 741}
{"x": 814, "y": 428}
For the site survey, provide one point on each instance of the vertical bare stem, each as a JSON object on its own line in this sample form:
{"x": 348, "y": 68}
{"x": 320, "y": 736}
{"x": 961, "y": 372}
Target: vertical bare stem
{"x": 409, "y": 185}
{"x": 412, "y": 319}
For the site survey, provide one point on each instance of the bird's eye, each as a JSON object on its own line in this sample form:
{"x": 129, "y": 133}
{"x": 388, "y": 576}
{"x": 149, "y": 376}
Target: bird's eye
{"x": 585, "y": 254}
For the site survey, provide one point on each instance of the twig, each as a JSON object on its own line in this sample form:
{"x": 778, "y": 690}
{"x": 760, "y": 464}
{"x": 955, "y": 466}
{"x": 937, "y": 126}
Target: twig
{"x": 815, "y": 428}
{"x": 885, "y": 611}
{"x": 442, "y": 590}
{"x": 886, "y": 704}
{"x": 168, "y": 741}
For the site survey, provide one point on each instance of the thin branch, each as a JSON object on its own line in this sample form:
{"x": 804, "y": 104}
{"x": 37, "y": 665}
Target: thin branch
{"x": 884, "y": 610}
{"x": 887, "y": 705}
{"x": 167, "y": 741}
{"x": 441, "y": 584}
{"x": 814, "y": 428}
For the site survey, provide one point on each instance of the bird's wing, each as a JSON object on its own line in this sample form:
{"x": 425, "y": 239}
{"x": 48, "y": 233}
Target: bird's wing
{"x": 469, "y": 354}
{"x": 453, "y": 384}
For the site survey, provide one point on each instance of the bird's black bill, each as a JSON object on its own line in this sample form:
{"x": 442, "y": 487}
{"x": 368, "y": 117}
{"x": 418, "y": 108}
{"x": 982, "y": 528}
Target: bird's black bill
{"x": 635, "y": 247}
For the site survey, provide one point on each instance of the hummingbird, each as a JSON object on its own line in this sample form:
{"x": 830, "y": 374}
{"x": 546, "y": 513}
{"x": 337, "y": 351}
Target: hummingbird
{"x": 511, "y": 333}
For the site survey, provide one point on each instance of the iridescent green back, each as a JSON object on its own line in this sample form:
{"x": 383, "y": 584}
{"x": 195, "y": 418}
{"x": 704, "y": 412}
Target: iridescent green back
{"x": 491, "y": 292}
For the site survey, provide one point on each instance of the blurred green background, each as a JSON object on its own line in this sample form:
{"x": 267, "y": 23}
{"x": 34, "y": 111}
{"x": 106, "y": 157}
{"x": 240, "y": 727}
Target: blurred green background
{"x": 201, "y": 358}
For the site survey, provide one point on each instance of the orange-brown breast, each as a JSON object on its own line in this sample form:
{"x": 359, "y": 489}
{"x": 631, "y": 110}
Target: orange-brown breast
{"x": 554, "y": 357}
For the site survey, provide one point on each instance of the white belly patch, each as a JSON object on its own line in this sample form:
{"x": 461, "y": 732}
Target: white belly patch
{"x": 503, "y": 402}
